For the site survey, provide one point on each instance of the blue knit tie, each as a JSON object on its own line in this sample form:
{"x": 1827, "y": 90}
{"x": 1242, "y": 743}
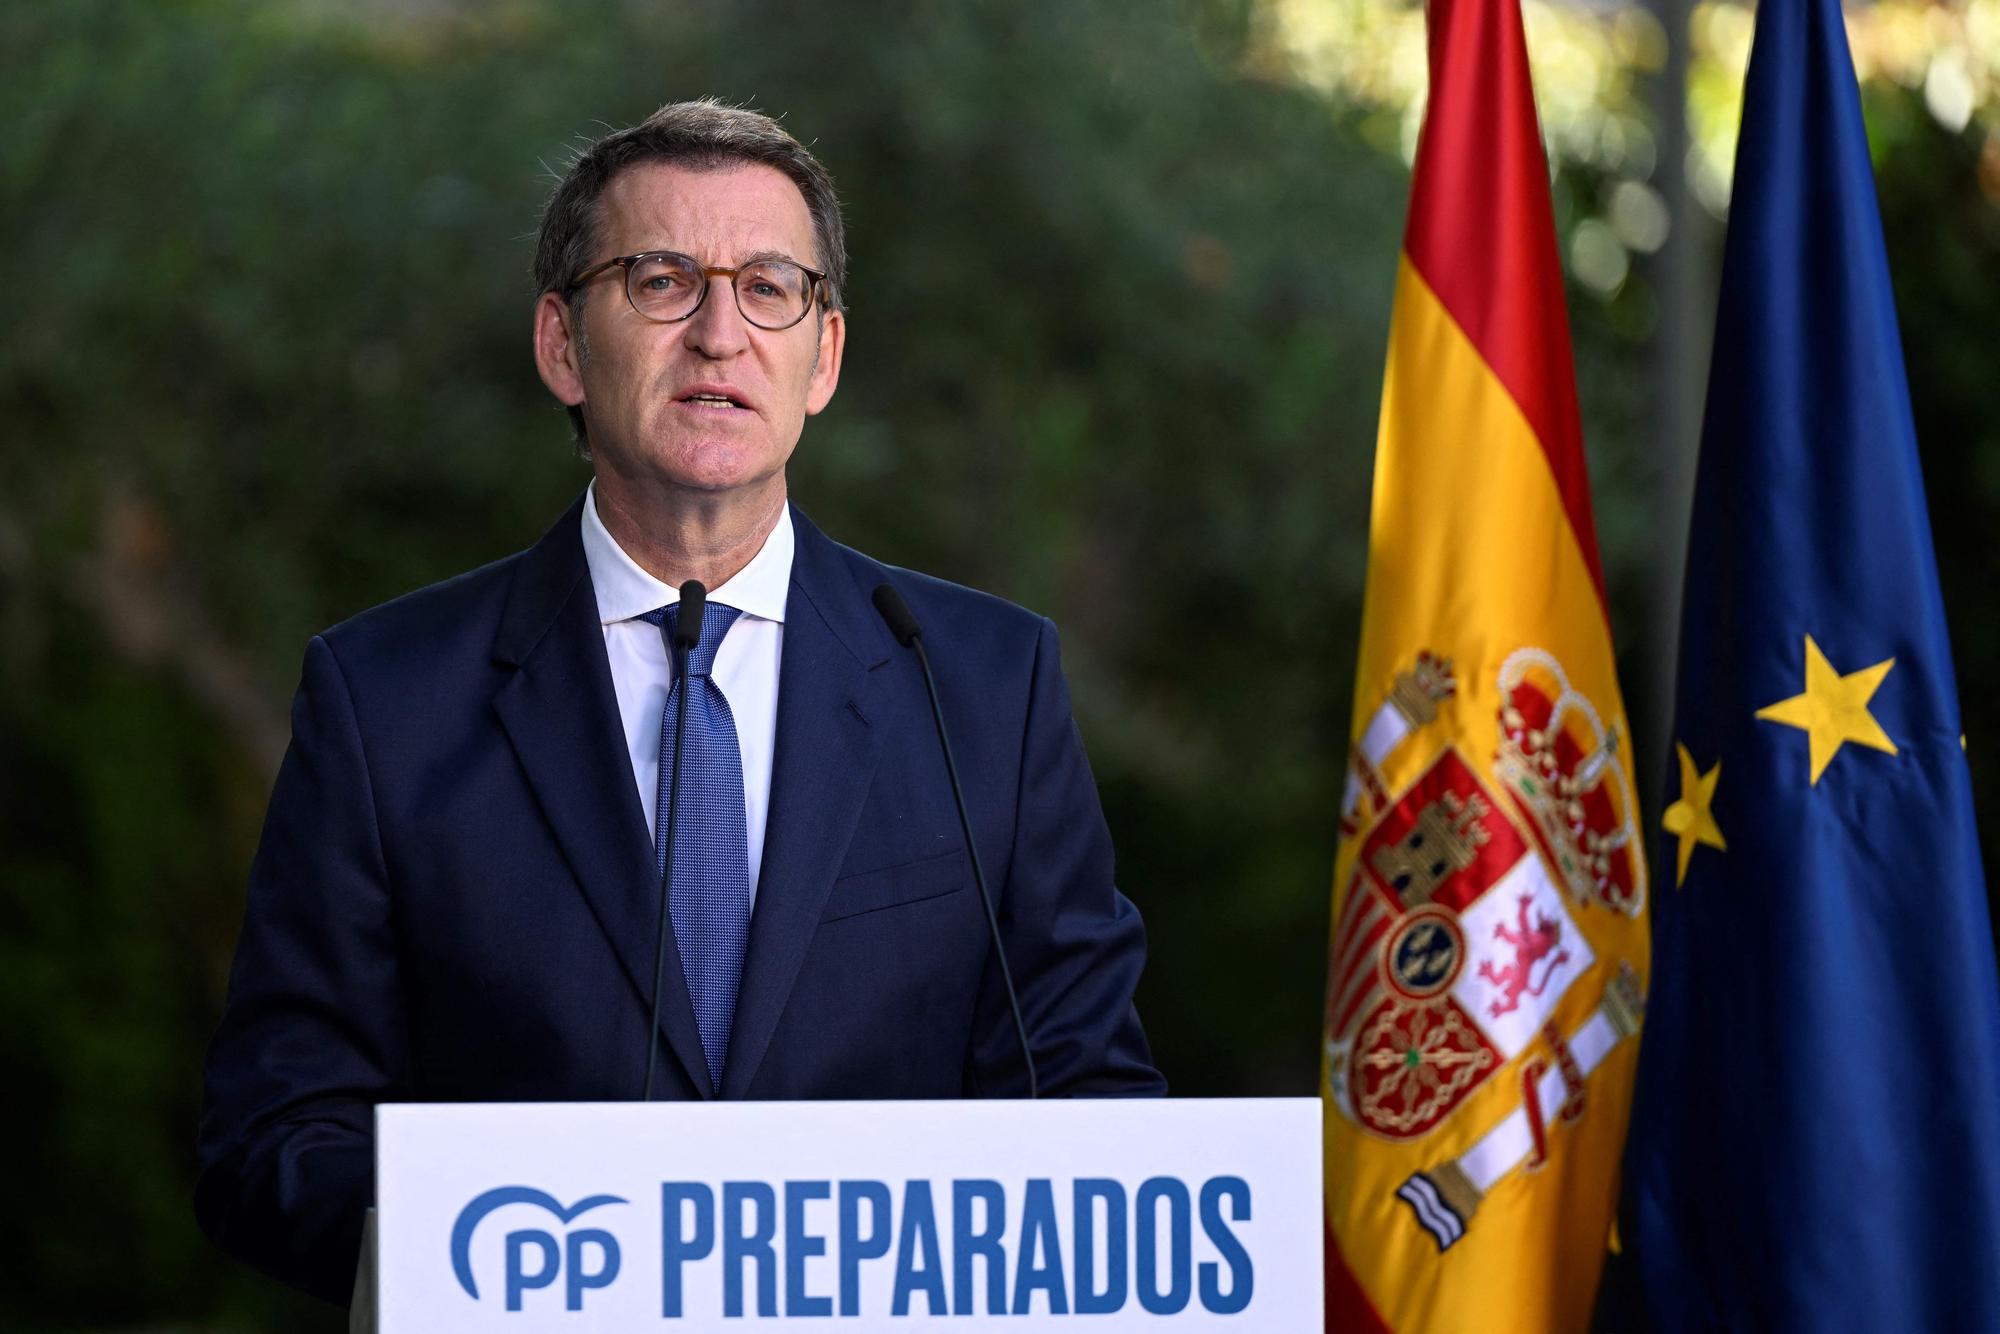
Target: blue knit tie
{"x": 709, "y": 893}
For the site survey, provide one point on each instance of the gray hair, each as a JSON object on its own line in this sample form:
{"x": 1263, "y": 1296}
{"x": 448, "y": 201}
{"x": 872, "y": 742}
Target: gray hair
{"x": 704, "y": 134}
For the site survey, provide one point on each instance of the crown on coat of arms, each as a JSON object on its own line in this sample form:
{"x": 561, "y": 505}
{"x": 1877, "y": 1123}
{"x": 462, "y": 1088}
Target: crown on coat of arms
{"x": 1418, "y": 692}
{"x": 1560, "y": 761}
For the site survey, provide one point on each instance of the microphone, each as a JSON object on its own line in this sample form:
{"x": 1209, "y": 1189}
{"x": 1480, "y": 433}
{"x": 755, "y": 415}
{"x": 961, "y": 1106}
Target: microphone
{"x": 903, "y": 625}
{"x": 687, "y": 626}
{"x": 687, "y": 633}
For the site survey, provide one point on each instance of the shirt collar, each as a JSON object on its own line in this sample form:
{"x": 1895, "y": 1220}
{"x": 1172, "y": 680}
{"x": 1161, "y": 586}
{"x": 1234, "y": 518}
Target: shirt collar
{"x": 625, "y": 591}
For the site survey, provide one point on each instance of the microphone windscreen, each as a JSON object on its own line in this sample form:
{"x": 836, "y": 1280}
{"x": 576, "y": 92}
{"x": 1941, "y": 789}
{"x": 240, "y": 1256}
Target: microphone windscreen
{"x": 901, "y": 623}
{"x": 687, "y": 625}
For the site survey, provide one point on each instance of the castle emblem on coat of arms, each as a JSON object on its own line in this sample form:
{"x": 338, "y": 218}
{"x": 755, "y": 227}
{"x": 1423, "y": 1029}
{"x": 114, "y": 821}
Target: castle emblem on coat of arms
{"x": 1458, "y": 933}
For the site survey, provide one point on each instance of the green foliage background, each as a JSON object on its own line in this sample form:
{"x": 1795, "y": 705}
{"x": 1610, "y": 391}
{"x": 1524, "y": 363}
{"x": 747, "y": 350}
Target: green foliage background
{"x": 1118, "y": 316}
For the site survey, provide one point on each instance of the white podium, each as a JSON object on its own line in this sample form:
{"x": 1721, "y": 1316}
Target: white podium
{"x": 1100, "y": 1215}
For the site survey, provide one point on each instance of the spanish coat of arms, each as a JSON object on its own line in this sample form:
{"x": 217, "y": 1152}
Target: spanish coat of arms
{"x": 1458, "y": 932}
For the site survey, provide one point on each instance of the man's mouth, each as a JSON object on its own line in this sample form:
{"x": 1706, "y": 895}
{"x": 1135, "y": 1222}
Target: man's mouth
{"x": 712, "y": 399}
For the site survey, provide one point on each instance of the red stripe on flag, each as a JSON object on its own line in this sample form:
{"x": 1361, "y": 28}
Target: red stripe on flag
{"x": 1348, "y": 1310}
{"x": 1482, "y": 232}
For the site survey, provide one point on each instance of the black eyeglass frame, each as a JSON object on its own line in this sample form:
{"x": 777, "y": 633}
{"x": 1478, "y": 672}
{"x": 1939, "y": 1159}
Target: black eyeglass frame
{"x": 814, "y": 292}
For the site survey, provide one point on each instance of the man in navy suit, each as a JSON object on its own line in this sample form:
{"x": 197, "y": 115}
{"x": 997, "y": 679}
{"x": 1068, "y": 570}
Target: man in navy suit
{"x": 458, "y": 892}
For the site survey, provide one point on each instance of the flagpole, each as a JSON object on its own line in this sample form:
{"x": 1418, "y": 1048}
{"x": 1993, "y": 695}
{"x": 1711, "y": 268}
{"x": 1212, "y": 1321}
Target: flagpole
{"x": 1683, "y": 275}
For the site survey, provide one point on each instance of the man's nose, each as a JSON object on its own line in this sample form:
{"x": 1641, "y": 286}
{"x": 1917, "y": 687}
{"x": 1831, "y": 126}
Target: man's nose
{"x": 718, "y": 328}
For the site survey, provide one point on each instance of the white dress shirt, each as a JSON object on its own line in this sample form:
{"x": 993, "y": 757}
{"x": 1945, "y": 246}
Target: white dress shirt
{"x": 746, "y": 665}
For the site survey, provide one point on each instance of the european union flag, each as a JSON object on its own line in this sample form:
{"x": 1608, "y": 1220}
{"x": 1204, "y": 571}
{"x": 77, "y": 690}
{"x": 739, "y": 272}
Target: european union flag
{"x": 1816, "y": 1138}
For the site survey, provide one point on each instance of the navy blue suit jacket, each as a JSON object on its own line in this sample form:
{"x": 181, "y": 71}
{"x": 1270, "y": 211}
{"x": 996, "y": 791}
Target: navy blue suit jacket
{"x": 455, "y": 895}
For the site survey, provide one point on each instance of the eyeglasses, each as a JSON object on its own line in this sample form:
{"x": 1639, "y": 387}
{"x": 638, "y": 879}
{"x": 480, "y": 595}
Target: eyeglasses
{"x": 666, "y": 287}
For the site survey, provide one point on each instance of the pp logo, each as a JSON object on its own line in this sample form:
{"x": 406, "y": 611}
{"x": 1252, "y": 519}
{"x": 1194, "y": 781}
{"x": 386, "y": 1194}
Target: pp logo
{"x": 586, "y": 1258}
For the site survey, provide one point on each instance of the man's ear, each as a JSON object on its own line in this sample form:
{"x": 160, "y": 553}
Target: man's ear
{"x": 559, "y": 348}
{"x": 826, "y": 364}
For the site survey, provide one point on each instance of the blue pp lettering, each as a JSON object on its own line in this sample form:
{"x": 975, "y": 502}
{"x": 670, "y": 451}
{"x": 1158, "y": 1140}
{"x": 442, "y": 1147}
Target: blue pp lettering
{"x": 520, "y": 1280}
{"x": 579, "y": 1278}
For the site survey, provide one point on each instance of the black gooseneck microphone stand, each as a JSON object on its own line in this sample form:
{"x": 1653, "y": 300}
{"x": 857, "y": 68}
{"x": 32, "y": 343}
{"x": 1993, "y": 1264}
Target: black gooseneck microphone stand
{"x": 904, "y": 627}
{"x": 687, "y": 633}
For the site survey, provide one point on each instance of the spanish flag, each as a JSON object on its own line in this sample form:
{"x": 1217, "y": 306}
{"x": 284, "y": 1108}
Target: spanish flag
{"x": 1488, "y": 965}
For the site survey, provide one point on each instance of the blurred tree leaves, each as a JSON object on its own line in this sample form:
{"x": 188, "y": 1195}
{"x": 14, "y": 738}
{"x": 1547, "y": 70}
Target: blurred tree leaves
{"x": 1940, "y": 196}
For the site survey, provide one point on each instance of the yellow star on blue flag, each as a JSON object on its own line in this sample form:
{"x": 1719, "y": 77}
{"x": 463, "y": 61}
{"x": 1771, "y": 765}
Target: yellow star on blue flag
{"x": 1690, "y": 818}
{"x": 1833, "y": 709}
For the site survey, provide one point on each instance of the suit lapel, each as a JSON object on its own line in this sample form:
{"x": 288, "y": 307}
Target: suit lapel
{"x": 561, "y": 714}
{"x": 820, "y": 772}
